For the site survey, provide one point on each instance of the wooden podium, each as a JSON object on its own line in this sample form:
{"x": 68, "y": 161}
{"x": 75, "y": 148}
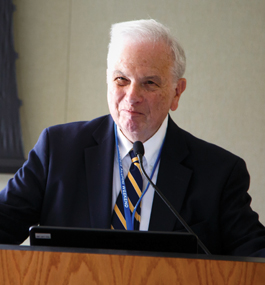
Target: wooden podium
{"x": 40, "y": 265}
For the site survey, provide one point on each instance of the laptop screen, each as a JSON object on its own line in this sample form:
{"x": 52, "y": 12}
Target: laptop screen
{"x": 113, "y": 239}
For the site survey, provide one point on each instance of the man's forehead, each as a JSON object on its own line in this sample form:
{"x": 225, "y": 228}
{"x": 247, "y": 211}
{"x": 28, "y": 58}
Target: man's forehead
{"x": 141, "y": 61}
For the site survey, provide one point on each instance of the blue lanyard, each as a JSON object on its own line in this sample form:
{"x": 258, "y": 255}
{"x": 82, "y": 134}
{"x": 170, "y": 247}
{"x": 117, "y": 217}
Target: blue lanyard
{"x": 128, "y": 217}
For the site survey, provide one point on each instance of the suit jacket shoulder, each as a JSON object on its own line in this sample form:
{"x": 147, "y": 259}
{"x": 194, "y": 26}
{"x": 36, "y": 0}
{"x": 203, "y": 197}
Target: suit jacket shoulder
{"x": 208, "y": 186}
{"x": 64, "y": 182}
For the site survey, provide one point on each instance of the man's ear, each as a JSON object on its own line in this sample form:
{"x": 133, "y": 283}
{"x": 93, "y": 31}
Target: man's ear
{"x": 181, "y": 86}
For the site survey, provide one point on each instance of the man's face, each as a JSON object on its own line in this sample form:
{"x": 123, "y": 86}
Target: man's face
{"x": 141, "y": 89}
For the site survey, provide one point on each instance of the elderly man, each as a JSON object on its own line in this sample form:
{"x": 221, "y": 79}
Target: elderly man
{"x": 75, "y": 173}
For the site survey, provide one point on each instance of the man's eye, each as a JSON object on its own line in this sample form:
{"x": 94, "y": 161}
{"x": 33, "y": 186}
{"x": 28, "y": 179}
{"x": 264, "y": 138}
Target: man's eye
{"x": 151, "y": 83}
{"x": 121, "y": 80}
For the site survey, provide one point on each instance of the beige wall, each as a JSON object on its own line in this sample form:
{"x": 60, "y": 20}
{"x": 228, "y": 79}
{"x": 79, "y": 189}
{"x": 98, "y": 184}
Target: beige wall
{"x": 62, "y": 49}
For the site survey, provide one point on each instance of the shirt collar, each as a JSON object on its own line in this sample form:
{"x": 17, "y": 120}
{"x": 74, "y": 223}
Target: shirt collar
{"x": 151, "y": 146}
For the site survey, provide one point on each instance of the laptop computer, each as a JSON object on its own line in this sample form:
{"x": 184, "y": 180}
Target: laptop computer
{"x": 174, "y": 242}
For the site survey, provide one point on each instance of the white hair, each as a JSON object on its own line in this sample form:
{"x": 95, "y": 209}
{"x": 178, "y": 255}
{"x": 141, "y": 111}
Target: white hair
{"x": 148, "y": 30}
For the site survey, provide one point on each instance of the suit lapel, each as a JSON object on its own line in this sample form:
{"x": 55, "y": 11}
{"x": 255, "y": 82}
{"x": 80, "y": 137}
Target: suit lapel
{"x": 99, "y": 171}
{"x": 173, "y": 180}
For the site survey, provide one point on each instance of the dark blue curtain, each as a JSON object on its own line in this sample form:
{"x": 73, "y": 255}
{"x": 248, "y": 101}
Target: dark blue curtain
{"x": 11, "y": 150}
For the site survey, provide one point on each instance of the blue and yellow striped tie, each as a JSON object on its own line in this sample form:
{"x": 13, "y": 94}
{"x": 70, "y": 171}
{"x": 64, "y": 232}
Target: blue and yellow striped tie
{"x": 134, "y": 185}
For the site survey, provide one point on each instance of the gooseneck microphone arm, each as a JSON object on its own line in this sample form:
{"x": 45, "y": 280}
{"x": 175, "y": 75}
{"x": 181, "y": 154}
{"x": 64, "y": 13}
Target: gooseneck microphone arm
{"x": 138, "y": 149}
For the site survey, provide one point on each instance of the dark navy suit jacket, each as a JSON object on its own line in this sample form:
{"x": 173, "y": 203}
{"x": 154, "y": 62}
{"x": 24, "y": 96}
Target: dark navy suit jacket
{"x": 67, "y": 181}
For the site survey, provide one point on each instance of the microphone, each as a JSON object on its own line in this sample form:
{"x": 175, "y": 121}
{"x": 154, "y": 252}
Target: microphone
{"x": 138, "y": 149}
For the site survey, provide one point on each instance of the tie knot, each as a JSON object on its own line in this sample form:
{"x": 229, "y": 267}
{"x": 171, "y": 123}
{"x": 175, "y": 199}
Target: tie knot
{"x": 135, "y": 161}
{"x": 133, "y": 156}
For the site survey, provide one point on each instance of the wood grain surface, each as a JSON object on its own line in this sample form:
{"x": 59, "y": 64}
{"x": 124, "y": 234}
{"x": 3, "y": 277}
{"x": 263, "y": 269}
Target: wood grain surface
{"x": 38, "y": 267}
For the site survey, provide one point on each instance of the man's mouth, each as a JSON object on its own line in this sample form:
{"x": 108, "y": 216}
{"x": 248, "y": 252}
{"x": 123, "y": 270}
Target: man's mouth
{"x": 131, "y": 112}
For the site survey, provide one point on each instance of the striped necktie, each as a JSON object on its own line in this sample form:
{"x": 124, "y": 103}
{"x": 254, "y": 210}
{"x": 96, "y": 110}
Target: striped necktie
{"x": 134, "y": 185}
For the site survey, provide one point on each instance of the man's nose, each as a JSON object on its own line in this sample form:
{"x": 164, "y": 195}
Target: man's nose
{"x": 134, "y": 93}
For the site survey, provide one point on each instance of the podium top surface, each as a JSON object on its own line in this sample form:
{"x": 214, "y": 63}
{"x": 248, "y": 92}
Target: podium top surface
{"x": 131, "y": 253}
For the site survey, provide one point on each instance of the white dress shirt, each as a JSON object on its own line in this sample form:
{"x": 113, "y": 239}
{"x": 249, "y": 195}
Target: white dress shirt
{"x": 152, "y": 148}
